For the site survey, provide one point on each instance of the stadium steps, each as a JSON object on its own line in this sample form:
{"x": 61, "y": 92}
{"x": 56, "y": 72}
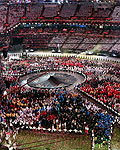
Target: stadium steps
{"x": 42, "y": 12}
{"x": 65, "y": 40}
{"x": 112, "y": 11}
{"x": 25, "y": 11}
{"x": 113, "y": 45}
{"x": 61, "y": 9}
{"x": 7, "y": 15}
{"x": 77, "y": 9}
{"x": 80, "y": 43}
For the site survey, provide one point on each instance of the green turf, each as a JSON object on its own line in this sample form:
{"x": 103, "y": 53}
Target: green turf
{"x": 79, "y": 142}
{"x": 115, "y": 142}
{"x": 102, "y": 147}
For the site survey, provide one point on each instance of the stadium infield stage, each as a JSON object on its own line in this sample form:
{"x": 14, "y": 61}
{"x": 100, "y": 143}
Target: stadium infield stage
{"x": 52, "y": 79}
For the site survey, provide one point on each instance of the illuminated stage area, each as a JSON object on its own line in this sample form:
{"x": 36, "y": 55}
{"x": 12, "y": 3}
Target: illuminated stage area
{"x": 52, "y": 79}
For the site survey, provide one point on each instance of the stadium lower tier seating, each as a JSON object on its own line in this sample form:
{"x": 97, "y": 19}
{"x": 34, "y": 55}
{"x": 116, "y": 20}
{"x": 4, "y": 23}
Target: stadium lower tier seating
{"x": 69, "y": 41}
{"x": 37, "y": 41}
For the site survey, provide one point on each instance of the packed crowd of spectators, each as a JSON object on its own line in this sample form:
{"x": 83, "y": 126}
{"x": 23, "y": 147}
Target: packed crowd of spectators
{"x": 34, "y": 11}
{"x": 37, "y": 40}
{"x": 85, "y": 10}
{"x": 116, "y": 14}
{"x": 72, "y": 42}
{"x": 61, "y": 109}
{"x": 50, "y": 11}
{"x": 2, "y": 83}
{"x": 57, "y": 40}
{"x": 102, "y": 13}
{"x": 15, "y": 14}
{"x": 3, "y": 12}
{"x": 116, "y": 48}
{"x": 103, "y": 83}
{"x": 56, "y": 110}
{"x": 102, "y": 78}
{"x": 68, "y": 10}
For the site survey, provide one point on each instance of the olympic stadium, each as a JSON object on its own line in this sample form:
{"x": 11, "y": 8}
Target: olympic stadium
{"x": 59, "y": 75}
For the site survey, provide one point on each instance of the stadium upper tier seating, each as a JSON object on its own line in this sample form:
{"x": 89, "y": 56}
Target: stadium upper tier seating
{"x": 15, "y": 14}
{"x": 34, "y": 11}
{"x": 12, "y": 14}
{"x": 84, "y": 10}
{"x": 116, "y": 14}
{"x": 68, "y": 10}
{"x": 3, "y": 13}
{"x": 50, "y": 11}
{"x": 101, "y": 13}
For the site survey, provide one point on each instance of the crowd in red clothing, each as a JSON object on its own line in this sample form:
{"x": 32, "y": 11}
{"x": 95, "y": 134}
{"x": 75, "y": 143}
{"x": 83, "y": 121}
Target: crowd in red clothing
{"x": 108, "y": 93}
{"x": 61, "y": 108}
{"x": 102, "y": 78}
